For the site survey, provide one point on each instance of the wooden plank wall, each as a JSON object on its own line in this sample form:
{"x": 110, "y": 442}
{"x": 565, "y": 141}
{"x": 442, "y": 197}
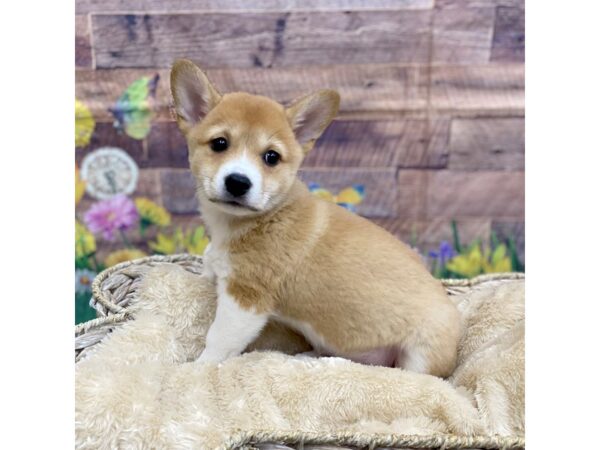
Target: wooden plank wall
{"x": 432, "y": 113}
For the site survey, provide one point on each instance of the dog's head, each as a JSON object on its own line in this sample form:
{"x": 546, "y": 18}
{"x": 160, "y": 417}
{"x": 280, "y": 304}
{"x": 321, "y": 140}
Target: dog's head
{"x": 245, "y": 149}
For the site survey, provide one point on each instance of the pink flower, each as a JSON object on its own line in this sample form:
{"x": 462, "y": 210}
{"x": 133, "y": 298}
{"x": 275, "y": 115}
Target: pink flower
{"x": 108, "y": 216}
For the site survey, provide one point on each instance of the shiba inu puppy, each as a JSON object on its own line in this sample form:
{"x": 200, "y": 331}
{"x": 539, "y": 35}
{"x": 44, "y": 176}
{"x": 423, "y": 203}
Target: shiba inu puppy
{"x": 278, "y": 252}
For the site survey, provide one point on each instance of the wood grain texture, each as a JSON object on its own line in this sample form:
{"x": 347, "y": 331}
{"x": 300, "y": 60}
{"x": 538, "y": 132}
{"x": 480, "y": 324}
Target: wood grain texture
{"x": 149, "y": 185}
{"x": 83, "y": 48}
{"x": 412, "y": 194}
{"x": 487, "y": 144}
{"x": 426, "y": 235}
{"x": 167, "y": 146}
{"x": 476, "y": 3}
{"x": 458, "y": 194}
{"x": 462, "y": 36}
{"x": 509, "y": 35}
{"x": 436, "y": 134}
{"x": 408, "y": 231}
{"x": 491, "y": 89}
{"x": 143, "y": 6}
{"x": 178, "y": 188}
{"x": 363, "y": 88}
{"x": 379, "y": 184}
{"x": 424, "y": 195}
{"x": 403, "y": 143}
{"x": 269, "y": 39}
{"x": 434, "y": 231}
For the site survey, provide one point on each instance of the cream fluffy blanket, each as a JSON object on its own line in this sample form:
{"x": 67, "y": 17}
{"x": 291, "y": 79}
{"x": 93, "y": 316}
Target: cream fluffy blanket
{"x": 140, "y": 387}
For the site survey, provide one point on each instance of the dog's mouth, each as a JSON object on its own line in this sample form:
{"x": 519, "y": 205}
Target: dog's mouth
{"x": 234, "y": 203}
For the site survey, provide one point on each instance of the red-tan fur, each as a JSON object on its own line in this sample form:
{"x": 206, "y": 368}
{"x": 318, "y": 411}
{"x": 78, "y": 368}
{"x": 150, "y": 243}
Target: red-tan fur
{"x": 302, "y": 260}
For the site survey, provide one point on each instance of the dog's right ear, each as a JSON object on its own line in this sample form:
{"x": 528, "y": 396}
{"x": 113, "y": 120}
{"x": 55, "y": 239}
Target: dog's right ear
{"x": 193, "y": 94}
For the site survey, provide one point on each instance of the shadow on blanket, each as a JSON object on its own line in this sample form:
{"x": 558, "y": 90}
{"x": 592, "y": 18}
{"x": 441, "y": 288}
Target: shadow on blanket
{"x": 140, "y": 387}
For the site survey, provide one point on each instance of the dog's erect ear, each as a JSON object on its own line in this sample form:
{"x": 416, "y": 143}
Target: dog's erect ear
{"x": 192, "y": 92}
{"x": 310, "y": 115}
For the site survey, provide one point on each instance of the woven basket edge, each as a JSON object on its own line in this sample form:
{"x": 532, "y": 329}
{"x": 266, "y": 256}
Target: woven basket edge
{"x": 102, "y": 276}
{"x": 239, "y": 438}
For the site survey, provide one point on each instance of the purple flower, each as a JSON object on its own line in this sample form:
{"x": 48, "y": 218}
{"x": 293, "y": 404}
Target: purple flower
{"x": 108, "y": 216}
{"x": 445, "y": 253}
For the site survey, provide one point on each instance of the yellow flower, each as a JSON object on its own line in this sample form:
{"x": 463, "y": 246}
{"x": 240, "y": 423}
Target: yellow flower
{"x": 474, "y": 262}
{"x": 85, "y": 243}
{"x": 79, "y": 186}
{"x": 193, "y": 242}
{"x": 467, "y": 265}
{"x": 164, "y": 244}
{"x": 84, "y": 124}
{"x": 152, "y": 213}
{"x": 126, "y": 254}
{"x": 499, "y": 262}
{"x": 196, "y": 242}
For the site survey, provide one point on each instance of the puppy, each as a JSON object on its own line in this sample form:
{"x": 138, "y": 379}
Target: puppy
{"x": 278, "y": 252}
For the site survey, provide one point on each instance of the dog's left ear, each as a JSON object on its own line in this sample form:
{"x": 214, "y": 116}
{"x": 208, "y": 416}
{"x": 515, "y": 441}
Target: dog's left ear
{"x": 310, "y": 115}
{"x": 193, "y": 93}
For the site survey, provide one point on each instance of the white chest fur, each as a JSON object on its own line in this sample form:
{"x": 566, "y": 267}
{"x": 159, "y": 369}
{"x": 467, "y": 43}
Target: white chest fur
{"x": 216, "y": 262}
{"x": 216, "y": 257}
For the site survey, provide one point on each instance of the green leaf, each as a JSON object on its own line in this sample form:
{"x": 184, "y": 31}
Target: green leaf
{"x": 499, "y": 253}
{"x": 413, "y": 236}
{"x": 494, "y": 240}
{"x": 516, "y": 264}
{"x": 456, "y": 238}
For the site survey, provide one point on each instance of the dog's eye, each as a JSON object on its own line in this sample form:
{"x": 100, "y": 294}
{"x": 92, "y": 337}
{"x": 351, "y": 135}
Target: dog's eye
{"x": 219, "y": 144}
{"x": 271, "y": 157}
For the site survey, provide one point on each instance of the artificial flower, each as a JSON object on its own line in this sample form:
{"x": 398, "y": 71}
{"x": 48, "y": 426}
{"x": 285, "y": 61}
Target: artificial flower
{"x": 475, "y": 262}
{"x": 79, "y": 186}
{"x": 117, "y": 213}
{"x": 126, "y": 254}
{"x": 443, "y": 254}
{"x": 196, "y": 242}
{"x": 152, "y": 213}
{"x": 165, "y": 245}
{"x": 193, "y": 242}
{"x": 83, "y": 280}
{"x": 85, "y": 243}
{"x": 498, "y": 262}
{"x": 84, "y": 124}
{"x": 468, "y": 264}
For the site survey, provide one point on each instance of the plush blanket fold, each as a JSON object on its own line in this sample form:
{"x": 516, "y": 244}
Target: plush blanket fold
{"x": 141, "y": 387}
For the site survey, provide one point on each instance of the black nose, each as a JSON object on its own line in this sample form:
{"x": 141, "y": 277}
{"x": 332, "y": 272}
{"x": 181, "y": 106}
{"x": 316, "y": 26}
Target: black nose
{"x": 237, "y": 184}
